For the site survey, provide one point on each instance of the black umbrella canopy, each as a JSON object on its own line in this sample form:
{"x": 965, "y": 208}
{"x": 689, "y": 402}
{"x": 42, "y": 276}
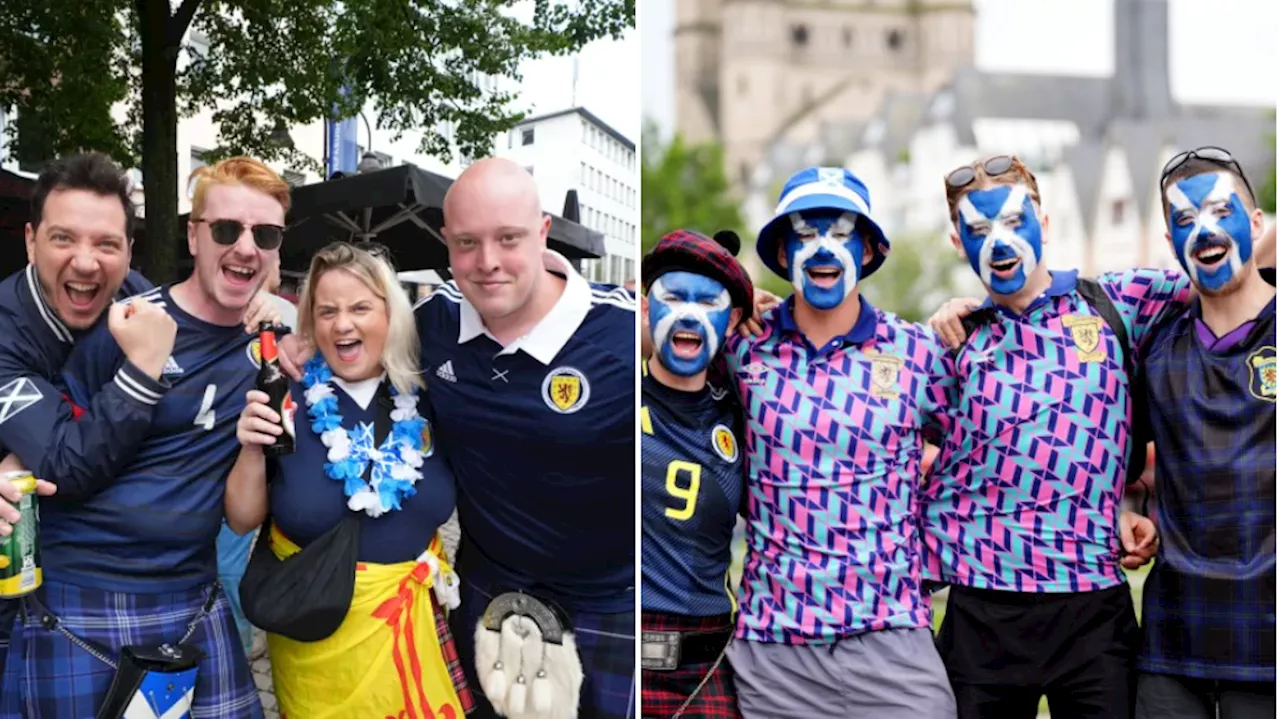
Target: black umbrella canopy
{"x": 15, "y": 209}
{"x": 399, "y": 207}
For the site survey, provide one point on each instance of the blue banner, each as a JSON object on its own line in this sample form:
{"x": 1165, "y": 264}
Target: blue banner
{"x": 342, "y": 143}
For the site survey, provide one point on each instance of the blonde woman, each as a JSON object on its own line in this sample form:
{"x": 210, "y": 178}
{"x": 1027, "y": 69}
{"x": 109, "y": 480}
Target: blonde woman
{"x": 390, "y": 653}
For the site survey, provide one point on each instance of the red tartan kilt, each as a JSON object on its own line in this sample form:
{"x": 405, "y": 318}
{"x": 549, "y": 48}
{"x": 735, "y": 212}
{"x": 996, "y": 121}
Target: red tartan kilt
{"x": 450, "y": 650}
{"x": 662, "y": 693}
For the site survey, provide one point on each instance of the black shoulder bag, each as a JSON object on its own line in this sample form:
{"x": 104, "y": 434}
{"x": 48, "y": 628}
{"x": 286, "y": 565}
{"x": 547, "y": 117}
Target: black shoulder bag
{"x": 306, "y": 597}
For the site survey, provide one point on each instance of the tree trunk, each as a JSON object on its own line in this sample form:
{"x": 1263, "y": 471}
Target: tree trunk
{"x": 158, "y": 257}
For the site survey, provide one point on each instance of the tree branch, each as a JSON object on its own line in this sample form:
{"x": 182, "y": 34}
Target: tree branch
{"x": 181, "y": 20}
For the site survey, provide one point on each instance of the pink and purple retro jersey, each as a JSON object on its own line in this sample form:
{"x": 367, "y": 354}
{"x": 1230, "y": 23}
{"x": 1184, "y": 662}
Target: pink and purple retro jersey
{"x": 834, "y": 440}
{"x": 1026, "y": 493}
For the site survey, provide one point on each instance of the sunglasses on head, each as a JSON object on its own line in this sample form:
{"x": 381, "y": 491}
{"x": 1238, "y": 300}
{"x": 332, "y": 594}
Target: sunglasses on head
{"x": 1215, "y": 155}
{"x": 227, "y": 232}
{"x": 377, "y": 249}
{"x": 994, "y": 167}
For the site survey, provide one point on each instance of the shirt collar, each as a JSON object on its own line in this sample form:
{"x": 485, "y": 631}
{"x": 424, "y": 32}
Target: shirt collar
{"x": 554, "y": 330}
{"x": 863, "y": 329}
{"x": 46, "y": 311}
{"x": 1060, "y": 283}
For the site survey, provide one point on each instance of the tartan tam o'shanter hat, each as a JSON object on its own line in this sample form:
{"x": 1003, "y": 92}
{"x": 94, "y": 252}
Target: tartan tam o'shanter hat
{"x": 822, "y": 188}
{"x": 694, "y": 252}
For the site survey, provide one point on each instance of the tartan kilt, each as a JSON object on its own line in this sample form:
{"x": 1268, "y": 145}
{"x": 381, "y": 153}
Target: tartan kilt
{"x": 662, "y": 693}
{"x": 49, "y": 677}
{"x": 449, "y": 648}
{"x": 606, "y": 645}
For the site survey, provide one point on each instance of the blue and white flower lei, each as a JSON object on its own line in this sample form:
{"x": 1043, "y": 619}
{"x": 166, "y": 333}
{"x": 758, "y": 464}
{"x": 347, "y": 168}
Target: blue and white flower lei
{"x": 397, "y": 463}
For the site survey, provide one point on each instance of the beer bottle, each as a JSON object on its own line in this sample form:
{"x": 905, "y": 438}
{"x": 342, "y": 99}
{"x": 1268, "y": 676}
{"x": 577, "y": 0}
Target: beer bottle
{"x": 276, "y": 386}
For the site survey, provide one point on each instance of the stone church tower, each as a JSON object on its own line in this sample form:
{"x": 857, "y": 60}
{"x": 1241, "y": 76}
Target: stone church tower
{"x": 751, "y": 73}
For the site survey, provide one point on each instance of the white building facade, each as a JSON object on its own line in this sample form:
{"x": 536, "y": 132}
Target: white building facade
{"x": 575, "y": 150}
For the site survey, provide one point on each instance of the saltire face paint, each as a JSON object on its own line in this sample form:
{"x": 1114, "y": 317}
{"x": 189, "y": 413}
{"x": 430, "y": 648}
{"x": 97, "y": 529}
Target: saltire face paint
{"x": 689, "y": 314}
{"x": 1000, "y": 233}
{"x": 824, "y": 256}
{"x": 1210, "y": 228}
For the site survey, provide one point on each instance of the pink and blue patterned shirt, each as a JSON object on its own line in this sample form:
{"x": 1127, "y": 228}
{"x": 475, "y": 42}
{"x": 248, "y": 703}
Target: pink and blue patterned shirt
{"x": 1026, "y": 492}
{"x": 834, "y": 440}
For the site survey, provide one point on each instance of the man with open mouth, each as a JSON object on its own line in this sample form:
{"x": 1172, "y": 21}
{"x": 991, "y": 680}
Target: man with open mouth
{"x": 691, "y": 477}
{"x": 1023, "y": 510}
{"x": 79, "y": 246}
{"x": 838, "y": 397}
{"x": 128, "y": 541}
{"x": 1209, "y": 621}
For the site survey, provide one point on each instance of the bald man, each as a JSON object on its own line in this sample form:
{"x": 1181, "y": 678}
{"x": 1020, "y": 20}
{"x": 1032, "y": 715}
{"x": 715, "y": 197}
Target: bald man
{"x": 531, "y": 373}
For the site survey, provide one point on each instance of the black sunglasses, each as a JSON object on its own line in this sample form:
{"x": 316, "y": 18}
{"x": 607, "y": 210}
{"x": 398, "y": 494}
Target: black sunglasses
{"x": 1209, "y": 153}
{"x": 994, "y": 167}
{"x": 227, "y": 232}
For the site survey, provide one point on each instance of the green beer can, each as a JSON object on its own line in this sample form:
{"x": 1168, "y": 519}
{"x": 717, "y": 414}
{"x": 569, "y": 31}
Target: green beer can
{"x": 20, "y": 571}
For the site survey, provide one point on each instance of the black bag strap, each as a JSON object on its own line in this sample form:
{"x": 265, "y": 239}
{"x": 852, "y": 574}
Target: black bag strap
{"x": 1140, "y": 434}
{"x": 1097, "y": 297}
{"x": 381, "y": 420}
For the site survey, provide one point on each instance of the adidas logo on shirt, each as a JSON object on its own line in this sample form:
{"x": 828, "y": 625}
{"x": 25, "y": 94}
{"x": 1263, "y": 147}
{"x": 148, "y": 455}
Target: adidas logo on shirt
{"x": 171, "y": 367}
{"x": 446, "y": 372}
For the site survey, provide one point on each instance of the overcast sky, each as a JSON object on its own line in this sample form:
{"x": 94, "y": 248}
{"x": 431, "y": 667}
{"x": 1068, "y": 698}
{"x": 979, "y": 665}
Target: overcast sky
{"x": 1222, "y": 51}
{"x": 608, "y": 82}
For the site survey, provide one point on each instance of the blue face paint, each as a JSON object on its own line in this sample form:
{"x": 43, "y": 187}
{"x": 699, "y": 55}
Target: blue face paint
{"x": 689, "y": 319}
{"x": 824, "y": 256}
{"x": 998, "y": 226}
{"x": 1210, "y": 228}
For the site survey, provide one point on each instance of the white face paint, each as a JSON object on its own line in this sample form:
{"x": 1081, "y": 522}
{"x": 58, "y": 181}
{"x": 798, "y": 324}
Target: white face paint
{"x": 834, "y": 240}
{"x": 1230, "y": 227}
{"x": 998, "y": 230}
{"x": 703, "y": 313}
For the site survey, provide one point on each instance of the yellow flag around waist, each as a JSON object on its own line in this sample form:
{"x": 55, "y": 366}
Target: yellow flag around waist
{"x": 385, "y": 661}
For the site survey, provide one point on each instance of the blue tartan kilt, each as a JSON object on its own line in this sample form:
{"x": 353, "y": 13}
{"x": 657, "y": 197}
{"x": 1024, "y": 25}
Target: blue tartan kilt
{"x": 48, "y": 677}
{"x": 606, "y": 645}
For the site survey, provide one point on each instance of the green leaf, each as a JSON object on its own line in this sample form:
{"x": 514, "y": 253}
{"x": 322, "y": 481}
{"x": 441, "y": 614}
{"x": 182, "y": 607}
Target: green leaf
{"x": 68, "y": 65}
{"x": 683, "y": 187}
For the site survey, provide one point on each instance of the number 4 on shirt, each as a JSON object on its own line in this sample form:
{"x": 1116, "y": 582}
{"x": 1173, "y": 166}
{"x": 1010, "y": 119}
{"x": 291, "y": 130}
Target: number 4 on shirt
{"x": 207, "y": 416}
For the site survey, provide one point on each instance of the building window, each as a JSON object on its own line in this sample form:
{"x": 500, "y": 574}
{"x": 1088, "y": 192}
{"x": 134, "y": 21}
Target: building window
{"x": 584, "y": 173}
{"x": 526, "y": 136}
{"x": 199, "y": 44}
{"x": 197, "y": 158}
{"x": 894, "y": 40}
{"x": 1117, "y": 212}
{"x": 799, "y": 35}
